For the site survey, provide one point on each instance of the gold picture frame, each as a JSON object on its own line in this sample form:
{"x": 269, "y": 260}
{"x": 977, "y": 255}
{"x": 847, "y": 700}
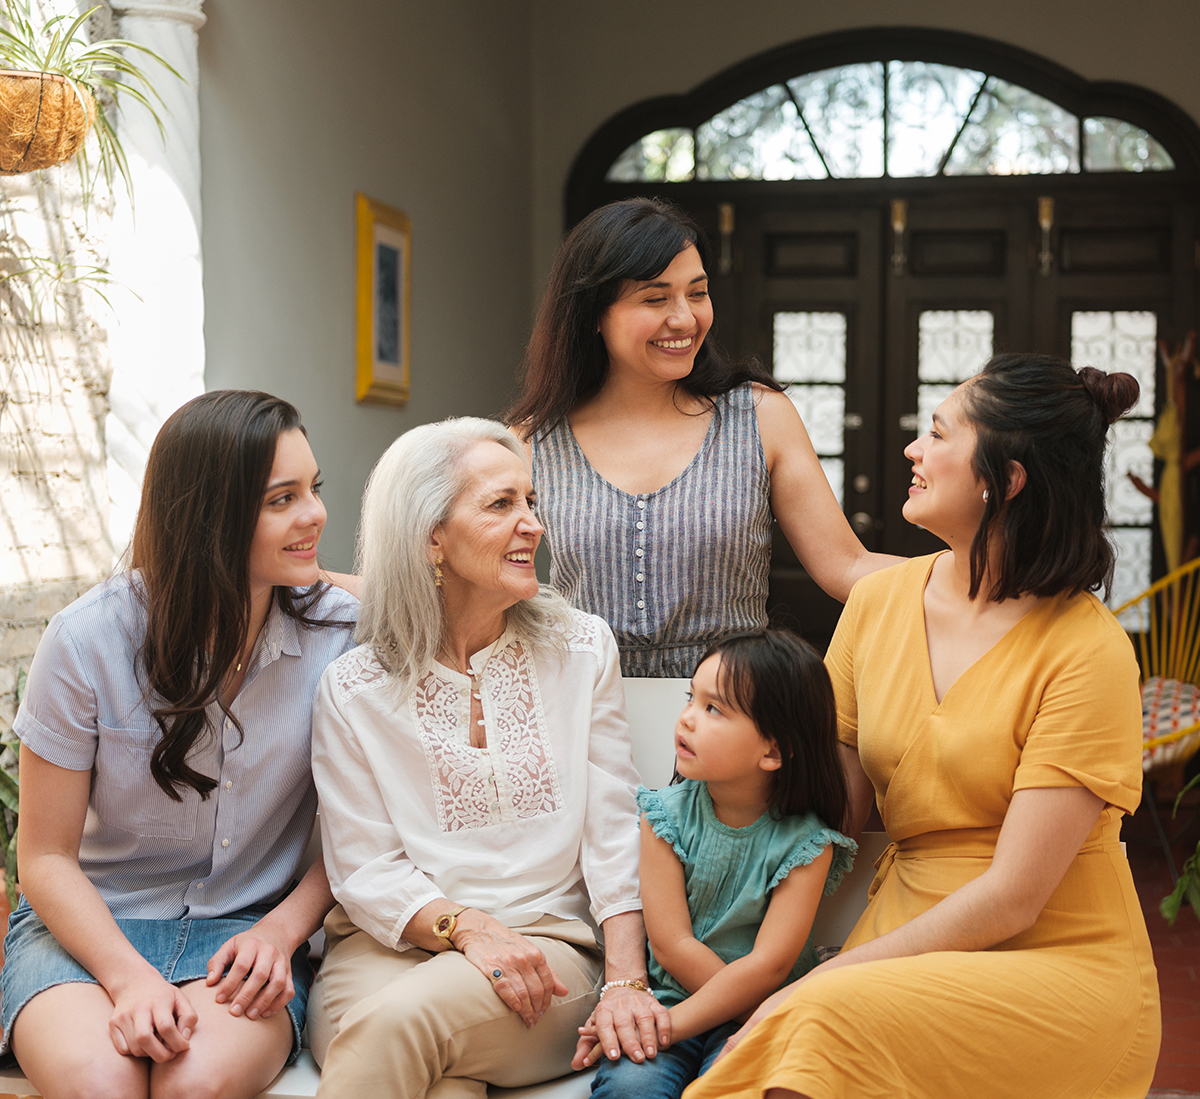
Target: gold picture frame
{"x": 384, "y": 237}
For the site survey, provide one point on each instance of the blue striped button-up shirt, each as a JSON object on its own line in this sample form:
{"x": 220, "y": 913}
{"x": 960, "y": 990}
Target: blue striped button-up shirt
{"x": 151, "y": 857}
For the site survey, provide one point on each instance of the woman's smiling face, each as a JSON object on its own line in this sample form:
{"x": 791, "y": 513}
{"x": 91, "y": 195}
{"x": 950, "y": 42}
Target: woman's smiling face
{"x": 655, "y": 328}
{"x": 488, "y": 542}
{"x": 946, "y": 496}
{"x": 284, "y": 549}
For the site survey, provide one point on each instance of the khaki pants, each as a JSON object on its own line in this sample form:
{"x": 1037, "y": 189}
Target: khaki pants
{"x": 388, "y": 1025}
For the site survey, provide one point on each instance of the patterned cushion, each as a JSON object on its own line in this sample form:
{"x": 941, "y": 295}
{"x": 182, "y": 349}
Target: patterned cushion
{"x": 1168, "y": 705}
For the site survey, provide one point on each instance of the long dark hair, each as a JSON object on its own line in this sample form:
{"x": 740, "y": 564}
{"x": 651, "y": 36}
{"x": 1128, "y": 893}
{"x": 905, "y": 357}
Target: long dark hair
{"x": 566, "y": 362}
{"x": 201, "y": 497}
{"x": 780, "y": 683}
{"x": 1041, "y": 412}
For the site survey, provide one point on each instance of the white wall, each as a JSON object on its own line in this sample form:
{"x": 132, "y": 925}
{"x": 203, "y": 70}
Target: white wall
{"x": 422, "y": 106}
{"x": 591, "y": 60}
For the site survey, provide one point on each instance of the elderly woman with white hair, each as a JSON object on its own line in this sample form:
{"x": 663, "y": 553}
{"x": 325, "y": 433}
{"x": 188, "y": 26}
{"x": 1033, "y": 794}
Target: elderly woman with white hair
{"x": 477, "y": 797}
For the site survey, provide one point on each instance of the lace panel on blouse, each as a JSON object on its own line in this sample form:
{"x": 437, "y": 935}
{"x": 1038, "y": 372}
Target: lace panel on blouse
{"x": 514, "y": 777}
{"x": 356, "y": 671}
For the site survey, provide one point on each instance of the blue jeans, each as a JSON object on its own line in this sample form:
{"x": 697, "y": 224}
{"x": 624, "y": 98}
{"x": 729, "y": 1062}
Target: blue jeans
{"x": 664, "y": 1076}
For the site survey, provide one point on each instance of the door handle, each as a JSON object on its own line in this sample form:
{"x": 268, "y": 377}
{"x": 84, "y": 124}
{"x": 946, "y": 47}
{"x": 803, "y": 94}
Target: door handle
{"x": 862, "y": 523}
{"x": 908, "y": 422}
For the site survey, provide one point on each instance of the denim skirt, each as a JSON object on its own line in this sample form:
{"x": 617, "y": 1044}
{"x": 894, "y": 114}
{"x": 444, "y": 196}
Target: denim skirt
{"x": 178, "y": 949}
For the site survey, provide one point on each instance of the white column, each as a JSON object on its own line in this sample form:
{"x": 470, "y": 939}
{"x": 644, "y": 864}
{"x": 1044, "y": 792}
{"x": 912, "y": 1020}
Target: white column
{"x": 156, "y": 337}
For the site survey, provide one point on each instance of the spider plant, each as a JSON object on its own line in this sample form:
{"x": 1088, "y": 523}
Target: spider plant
{"x": 101, "y": 69}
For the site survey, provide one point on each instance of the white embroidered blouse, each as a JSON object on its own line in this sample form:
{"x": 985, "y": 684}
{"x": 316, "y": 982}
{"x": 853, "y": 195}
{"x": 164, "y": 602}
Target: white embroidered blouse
{"x": 542, "y": 821}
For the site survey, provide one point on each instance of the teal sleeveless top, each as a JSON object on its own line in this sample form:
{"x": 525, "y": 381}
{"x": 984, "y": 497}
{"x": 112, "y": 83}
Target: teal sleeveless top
{"x": 729, "y": 872}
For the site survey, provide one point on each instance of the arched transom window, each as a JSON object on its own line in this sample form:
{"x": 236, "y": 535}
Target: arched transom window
{"x": 897, "y": 118}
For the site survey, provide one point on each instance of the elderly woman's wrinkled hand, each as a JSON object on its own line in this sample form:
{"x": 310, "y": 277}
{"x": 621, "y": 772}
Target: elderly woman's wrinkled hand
{"x": 626, "y": 1021}
{"x": 518, "y": 970}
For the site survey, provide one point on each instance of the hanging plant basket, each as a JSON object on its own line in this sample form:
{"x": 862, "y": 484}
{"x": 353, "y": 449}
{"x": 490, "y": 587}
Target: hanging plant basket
{"x": 43, "y": 120}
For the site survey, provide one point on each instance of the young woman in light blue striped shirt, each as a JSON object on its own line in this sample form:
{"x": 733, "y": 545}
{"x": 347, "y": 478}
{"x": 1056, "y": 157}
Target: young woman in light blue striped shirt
{"x": 166, "y": 789}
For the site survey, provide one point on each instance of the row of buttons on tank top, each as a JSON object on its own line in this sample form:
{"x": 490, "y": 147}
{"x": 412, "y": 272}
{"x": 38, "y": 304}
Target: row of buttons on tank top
{"x": 640, "y": 525}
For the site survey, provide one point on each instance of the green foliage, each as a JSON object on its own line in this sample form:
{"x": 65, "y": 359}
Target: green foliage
{"x": 60, "y": 45}
{"x": 1188, "y": 885}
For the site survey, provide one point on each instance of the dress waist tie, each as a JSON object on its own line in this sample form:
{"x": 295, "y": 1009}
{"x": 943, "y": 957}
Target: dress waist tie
{"x": 970, "y": 843}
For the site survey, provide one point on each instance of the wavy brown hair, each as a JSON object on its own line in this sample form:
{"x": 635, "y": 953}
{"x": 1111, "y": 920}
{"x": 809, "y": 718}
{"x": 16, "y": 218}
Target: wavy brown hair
{"x": 201, "y": 497}
{"x": 566, "y": 362}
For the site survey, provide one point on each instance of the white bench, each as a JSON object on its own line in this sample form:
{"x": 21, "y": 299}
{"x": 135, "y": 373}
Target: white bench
{"x": 653, "y": 706}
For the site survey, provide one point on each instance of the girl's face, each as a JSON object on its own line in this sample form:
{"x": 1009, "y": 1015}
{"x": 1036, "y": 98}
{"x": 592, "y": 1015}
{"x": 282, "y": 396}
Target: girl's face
{"x": 654, "y": 328}
{"x": 714, "y": 740}
{"x": 946, "y": 497}
{"x": 284, "y": 549}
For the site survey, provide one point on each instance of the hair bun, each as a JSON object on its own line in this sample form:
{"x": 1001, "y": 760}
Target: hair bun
{"x": 1114, "y": 394}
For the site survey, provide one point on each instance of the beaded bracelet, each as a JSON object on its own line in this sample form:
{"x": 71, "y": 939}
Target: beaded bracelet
{"x": 641, "y": 986}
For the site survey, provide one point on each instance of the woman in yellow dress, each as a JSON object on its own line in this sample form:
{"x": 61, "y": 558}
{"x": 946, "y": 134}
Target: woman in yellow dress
{"x": 990, "y": 703}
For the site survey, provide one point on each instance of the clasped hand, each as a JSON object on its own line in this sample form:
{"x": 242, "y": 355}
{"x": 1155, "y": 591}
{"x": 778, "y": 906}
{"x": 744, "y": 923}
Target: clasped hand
{"x": 625, "y": 1021}
{"x": 153, "y": 1018}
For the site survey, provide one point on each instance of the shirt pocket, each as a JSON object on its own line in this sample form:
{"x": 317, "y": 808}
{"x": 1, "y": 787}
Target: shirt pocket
{"x": 125, "y": 795}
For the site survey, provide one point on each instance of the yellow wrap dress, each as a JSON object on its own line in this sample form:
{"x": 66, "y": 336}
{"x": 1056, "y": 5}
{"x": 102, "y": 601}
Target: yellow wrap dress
{"x": 1067, "y": 1008}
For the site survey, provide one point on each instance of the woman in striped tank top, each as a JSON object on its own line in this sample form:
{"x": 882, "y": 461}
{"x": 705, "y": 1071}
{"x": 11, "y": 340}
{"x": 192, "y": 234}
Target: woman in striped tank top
{"x": 659, "y": 465}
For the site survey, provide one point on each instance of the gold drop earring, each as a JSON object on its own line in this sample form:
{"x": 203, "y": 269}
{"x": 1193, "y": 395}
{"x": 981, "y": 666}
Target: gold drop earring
{"x": 437, "y": 573}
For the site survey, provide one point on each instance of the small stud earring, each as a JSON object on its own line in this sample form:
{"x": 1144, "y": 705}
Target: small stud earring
{"x": 437, "y": 573}
{"x": 985, "y": 495}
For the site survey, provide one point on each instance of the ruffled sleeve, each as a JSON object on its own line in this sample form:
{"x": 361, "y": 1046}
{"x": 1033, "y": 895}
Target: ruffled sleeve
{"x": 808, "y": 845}
{"x": 657, "y": 814}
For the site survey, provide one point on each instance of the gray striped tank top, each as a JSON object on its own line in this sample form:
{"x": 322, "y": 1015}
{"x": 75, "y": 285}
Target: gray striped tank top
{"x": 673, "y": 570}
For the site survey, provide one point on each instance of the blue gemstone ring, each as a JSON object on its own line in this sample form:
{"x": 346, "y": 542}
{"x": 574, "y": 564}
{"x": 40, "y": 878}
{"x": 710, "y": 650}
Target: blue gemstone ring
{"x": 497, "y": 974}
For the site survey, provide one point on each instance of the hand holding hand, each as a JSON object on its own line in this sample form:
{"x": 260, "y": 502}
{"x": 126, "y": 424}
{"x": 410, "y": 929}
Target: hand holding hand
{"x": 518, "y": 970}
{"x": 151, "y": 1018}
{"x": 254, "y": 970}
{"x": 626, "y": 1021}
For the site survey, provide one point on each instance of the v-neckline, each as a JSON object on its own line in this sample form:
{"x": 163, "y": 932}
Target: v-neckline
{"x": 938, "y": 703}
{"x": 704, "y": 443}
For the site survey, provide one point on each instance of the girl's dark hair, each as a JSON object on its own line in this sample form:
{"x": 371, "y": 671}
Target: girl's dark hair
{"x": 1039, "y": 411}
{"x": 780, "y": 683}
{"x": 566, "y": 362}
{"x": 201, "y": 497}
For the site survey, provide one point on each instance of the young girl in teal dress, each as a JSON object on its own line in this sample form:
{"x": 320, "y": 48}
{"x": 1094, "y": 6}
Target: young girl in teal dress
{"x": 736, "y": 853}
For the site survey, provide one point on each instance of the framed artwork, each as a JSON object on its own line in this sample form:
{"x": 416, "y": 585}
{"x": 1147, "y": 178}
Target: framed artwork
{"x": 384, "y": 278}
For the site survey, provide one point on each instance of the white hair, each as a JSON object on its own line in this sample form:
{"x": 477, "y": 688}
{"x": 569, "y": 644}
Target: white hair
{"x": 412, "y": 490}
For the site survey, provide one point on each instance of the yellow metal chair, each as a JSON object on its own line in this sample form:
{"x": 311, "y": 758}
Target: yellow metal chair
{"x": 1164, "y": 625}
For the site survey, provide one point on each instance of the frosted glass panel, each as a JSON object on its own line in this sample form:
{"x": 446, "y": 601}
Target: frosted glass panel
{"x": 926, "y": 107}
{"x": 953, "y": 344}
{"x": 665, "y": 156}
{"x": 822, "y": 408}
{"x": 1118, "y": 340}
{"x": 1128, "y": 453}
{"x": 1132, "y": 574}
{"x": 810, "y": 347}
{"x": 1110, "y": 145}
